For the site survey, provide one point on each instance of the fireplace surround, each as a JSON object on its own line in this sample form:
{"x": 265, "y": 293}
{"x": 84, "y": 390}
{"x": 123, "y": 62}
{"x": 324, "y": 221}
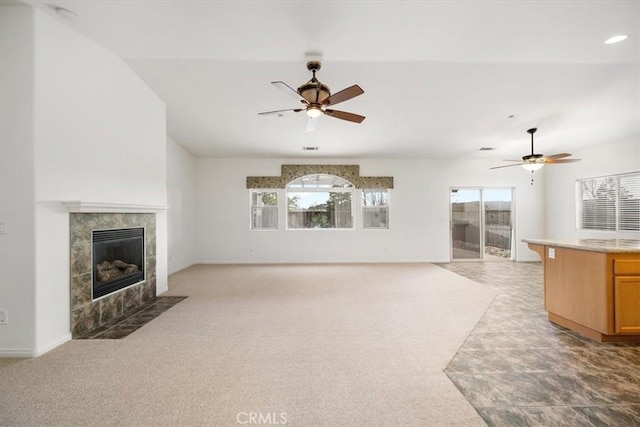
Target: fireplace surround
{"x": 90, "y": 311}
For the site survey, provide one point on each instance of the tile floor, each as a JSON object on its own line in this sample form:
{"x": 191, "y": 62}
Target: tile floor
{"x": 518, "y": 369}
{"x": 134, "y": 320}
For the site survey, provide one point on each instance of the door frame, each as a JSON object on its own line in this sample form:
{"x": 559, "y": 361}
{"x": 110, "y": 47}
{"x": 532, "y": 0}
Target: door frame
{"x": 482, "y": 222}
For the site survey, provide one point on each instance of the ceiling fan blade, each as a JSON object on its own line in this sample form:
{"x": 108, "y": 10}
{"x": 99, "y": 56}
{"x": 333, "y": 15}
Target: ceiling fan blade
{"x": 547, "y": 160}
{"x": 508, "y": 166}
{"x": 557, "y": 156}
{"x": 289, "y": 91}
{"x": 344, "y": 95}
{"x": 344, "y": 115}
{"x": 281, "y": 112}
{"x": 311, "y": 124}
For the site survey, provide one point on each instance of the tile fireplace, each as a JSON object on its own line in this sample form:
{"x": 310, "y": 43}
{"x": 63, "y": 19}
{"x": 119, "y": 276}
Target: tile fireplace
{"x": 113, "y": 267}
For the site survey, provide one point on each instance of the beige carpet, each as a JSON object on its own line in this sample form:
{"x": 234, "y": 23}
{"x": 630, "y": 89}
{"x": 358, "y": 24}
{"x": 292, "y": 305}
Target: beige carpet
{"x": 299, "y": 345}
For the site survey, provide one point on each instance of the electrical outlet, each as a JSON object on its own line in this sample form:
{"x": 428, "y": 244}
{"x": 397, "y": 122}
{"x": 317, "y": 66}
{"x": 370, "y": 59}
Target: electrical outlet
{"x": 4, "y": 316}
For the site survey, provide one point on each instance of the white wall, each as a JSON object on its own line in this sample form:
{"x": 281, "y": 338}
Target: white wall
{"x": 606, "y": 159}
{"x": 99, "y": 135}
{"x": 181, "y": 187}
{"x": 17, "y": 246}
{"x": 419, "y": 213}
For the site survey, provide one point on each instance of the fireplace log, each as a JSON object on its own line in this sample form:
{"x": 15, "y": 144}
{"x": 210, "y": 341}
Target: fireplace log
{"x": 108, "y": 271}
{"x": 121, "y": 264}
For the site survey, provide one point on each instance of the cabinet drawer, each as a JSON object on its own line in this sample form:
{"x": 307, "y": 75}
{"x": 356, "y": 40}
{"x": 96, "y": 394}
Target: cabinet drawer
{"x": 626, "y": 267}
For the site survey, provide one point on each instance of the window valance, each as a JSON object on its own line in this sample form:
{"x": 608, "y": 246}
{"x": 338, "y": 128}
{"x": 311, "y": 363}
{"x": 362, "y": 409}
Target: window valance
{"x": 349, "y": 172}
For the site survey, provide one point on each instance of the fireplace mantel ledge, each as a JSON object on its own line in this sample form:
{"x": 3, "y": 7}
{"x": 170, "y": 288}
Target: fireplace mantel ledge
{"x": 97, "y": 207}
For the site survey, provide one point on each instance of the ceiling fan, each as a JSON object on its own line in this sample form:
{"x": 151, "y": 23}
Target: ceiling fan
{"x": 316, "y": 97}
{"x": 533, "y": 162}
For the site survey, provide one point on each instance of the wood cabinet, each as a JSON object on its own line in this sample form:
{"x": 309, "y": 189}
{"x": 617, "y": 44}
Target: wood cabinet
{"x": 595, "y": 293}
{"x": 626, "y": 296}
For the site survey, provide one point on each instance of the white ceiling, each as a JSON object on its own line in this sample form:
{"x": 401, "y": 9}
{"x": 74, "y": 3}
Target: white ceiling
{"x": 441, "y": 78}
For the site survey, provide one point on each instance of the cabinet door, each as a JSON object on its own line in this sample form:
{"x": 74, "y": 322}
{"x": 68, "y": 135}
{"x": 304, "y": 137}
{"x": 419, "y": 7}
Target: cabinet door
{"x": 627, "y": 304}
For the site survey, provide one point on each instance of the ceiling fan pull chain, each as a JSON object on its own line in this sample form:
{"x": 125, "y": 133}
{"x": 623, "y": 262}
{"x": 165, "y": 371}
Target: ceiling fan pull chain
{"x": 531, "y": 177}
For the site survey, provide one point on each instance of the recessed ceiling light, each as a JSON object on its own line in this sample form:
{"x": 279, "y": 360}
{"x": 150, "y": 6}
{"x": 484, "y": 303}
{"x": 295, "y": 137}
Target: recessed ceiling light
{"x": 616, "y": 39}
{"x": 65, "y": 13}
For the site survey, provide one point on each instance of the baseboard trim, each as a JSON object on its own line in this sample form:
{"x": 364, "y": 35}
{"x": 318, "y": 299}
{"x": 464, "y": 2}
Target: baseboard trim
{"x": 16, "y": 353}
{"x": 591, "y": 333}
{"x": 19, "y": 353}
{"x": 183, "y": 268}
{"x": 63, "y": 339}
{"x": 317, "y": 262}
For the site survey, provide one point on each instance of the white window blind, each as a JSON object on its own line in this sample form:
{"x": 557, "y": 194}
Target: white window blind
{"x": 609, "y": 203}
{"x": 629, "y": 202}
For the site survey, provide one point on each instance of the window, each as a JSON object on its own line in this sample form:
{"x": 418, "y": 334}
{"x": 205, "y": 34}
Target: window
{"x": 264, "y": 210}
{"x": 319, "y": 202}
{"x": 609, "y": 203}
{"x": 375, "y": 208}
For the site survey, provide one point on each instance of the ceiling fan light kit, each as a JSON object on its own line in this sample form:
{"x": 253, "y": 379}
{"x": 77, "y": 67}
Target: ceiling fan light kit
{"x": 532, "y": 166}
{"x": 316, "y": 97}
{"x": 314, "y": 112}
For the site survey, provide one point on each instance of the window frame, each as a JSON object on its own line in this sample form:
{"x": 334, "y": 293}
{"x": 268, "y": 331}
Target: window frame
{"x": 371, "y": 208}
{"x": 252, "y": 191}
{"x": 617, "y": 219}
{"x": 349, "y": 188}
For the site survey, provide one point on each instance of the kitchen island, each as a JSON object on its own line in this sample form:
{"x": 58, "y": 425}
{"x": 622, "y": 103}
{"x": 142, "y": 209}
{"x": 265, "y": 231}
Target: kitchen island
{"x": 592, "y": 286}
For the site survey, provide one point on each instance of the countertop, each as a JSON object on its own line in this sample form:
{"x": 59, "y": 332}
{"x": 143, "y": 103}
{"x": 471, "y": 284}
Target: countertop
{"x": 595, "y": 245}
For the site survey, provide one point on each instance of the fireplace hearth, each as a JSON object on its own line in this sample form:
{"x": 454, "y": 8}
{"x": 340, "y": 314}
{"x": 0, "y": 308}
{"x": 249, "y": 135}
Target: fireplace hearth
{"x": 118, "y": 259}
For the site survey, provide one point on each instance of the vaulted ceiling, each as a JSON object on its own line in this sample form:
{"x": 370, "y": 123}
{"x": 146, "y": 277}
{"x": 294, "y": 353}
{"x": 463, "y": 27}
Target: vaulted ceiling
{"x": 441, "y": 78}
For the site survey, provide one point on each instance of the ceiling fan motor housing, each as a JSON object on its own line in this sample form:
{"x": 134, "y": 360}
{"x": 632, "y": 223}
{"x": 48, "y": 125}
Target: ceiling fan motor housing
{"x": 314, "y": 91}
{"x": 533, "y": 158}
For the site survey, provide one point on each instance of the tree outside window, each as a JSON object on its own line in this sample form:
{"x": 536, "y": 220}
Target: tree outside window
{"x": 609, "y": 203}
{"x": 320, "y": 202}
{"x": 375, "y": 208}
{"x": 264, "y": 210}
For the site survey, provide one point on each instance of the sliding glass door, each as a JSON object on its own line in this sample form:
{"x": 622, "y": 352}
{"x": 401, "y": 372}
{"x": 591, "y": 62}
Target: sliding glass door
{"x": 481, "y": 223}
{"x": 466, "y": 220}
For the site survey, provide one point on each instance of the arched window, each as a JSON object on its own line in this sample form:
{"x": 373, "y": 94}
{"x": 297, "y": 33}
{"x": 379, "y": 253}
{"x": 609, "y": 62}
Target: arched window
{"x": 320, "y": 202}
